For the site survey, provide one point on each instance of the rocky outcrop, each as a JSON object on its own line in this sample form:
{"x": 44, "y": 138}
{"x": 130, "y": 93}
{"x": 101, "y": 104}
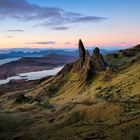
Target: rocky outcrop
{"x": 21, "y": 98}
{"x": 137, "y": 47}
{"x": 131, "y": 51}
{"x": 88, "y": 69}
{"x": 108, "y": 74}
{"x": 82, "y": 51}
{"x": 97, "y": 60}
{"x": 82, "y": 54}
{"x": 86, "y": 66}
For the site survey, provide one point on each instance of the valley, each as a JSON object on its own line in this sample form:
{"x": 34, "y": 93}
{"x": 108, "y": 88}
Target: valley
{"x": 32, "y": 64}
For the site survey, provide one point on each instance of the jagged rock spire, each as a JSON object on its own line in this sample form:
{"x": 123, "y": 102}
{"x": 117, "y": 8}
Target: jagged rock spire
{"x": 96, "y": 50}
{"x": 87, "y": 70}
{"x": 82, "y": 50}
{"x": 98, "y": 60}
{"x": 86, "y": 66}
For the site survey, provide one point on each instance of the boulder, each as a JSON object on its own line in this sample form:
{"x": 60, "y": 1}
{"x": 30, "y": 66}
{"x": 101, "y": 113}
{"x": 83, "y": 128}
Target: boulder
{"x": 21, "y": 98}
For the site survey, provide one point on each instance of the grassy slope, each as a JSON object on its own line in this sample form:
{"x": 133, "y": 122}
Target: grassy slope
{"x": 99, "y": 110}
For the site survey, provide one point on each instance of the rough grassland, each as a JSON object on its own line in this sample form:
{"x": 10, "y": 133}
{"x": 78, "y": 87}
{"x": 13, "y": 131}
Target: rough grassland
{"x": 96, "y": 111}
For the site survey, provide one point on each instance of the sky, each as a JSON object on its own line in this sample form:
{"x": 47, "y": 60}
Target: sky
{"x": 61, "y": 23}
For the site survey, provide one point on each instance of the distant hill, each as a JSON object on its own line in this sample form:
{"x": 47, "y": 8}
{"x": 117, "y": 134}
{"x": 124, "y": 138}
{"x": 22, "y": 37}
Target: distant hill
{"x": 13, "y": 53}
{"x": 31, "y": 64}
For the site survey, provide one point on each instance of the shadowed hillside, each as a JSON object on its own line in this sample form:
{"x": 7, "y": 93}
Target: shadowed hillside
{"x": 93, "y": 98}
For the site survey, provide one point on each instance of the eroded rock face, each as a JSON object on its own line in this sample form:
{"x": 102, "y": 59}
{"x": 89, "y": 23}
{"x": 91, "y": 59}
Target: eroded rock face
{"x": 131, "y": 51}
{"x": 88, "y": 69}
{"x": 86, "y": 66}
{"x": 98, "y": 60}
{"x": 82, "y": 51}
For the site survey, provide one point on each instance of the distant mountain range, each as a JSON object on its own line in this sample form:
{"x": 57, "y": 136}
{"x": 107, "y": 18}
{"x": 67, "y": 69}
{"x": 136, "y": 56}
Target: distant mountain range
{"x": 14, "y": 53}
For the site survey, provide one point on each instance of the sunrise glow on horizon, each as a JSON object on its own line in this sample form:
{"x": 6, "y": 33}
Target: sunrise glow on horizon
{"x": 59, "y": 24}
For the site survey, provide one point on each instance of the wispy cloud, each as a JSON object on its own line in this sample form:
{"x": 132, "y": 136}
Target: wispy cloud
{"x": 53, "y": 17}
{"x": 43, "y": 43}
{"x": 9, "y": 36}
{"x": 17, "y": 30}
{"x": 89, "y": 19}
{"x": 60, "y": 28}
{"x": 67, "y": 43}
{"x": 122, "y": 43}
{"x": 65, "y": 23}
